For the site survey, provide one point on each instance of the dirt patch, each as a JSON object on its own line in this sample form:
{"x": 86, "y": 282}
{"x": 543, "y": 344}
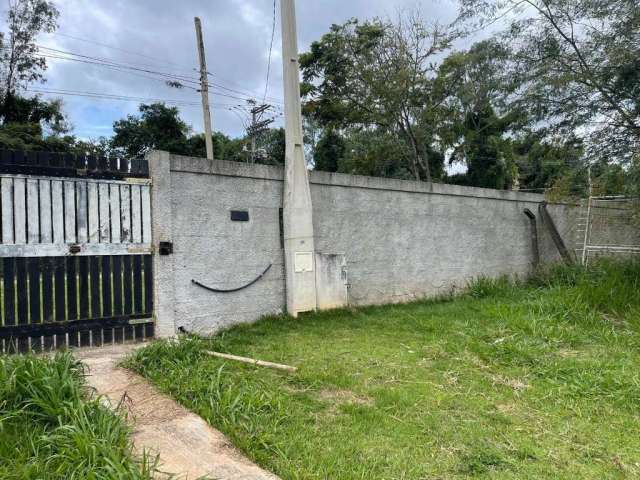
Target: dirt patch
{"x": 517, "y": 384}
{"x": 344, "y": 397}
{"x": 507, "y": 408}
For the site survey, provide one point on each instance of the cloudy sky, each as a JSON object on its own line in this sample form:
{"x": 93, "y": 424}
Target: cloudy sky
{"x": 145, "y": 36}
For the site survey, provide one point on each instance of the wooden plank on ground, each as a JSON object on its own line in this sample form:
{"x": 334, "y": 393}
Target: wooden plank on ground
{"x": 252, "y": 361}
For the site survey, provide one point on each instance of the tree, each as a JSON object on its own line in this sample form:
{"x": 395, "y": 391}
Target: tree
{"x": 329, "y": 151}
{"x": 477, "y": 118}
{"x": 38, "y": 125}
{"x": 224, "y": 148}
{"x": 19, "y": 59}
{"x": 378, "y": 75}
{"x": 542, "y": 163}
{"x": 576, "y": 67}
{"x": 158, "y": 127}
{"x": 274, "y": 144}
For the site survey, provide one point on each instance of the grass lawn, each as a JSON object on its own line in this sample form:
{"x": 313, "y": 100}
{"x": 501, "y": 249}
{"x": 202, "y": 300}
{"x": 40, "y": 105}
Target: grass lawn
{"x": 537, "y": 380}
{"x": 50, "y": 429}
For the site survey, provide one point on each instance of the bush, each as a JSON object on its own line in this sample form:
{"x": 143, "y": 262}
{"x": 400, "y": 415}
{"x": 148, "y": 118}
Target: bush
{"x": 51, "y": 428}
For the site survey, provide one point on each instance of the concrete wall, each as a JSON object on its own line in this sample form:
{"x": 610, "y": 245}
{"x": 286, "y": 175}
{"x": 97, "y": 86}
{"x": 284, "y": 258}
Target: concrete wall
{"x": 401, "y": 239}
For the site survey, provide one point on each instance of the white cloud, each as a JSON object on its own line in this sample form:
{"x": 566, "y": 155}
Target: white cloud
{"x": 159, "y": 34}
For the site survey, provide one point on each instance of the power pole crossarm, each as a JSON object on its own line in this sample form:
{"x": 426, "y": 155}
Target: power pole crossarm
{"x": 204, "y": 90}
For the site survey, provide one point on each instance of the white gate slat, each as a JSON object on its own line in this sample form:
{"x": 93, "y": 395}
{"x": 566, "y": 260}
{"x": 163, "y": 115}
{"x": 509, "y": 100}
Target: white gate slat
{"x": 81, "y": 207}
{"x": 57, "y": 210}
{"x": 136, "y": 214}
{"x": 33, "y": 212}
{"x": 125, "y": 209}
{"x": 103, "y": 195}
{"x": 7, "y": 210}
{"x": 45, "y": 211}
{"x": 146, "y": 214}
{"x": 46, "y": 233}
{"x": 114, "y": 197}
{"x": 20, "y": 210}
{"x": 94, "y": 215}
{"x": 70, "y": 212}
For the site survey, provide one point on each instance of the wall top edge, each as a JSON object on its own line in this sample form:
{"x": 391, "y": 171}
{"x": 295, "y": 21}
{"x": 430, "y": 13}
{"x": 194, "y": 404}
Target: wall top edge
{"x": 266, "y": 172}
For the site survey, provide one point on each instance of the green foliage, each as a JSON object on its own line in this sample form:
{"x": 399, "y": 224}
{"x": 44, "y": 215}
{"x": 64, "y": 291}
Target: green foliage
{"x": 50, "y": 428}
{"x": 484, "y": 287}
{"x": 575, "y": 66}
{"x": 377, "y": 76}
{"x": 158, "y": 127}
{"x": 514, "y": 379}
{"x": 19, "y": 57}
{"x": 329, "y": 151}
{"x": 274, "y": 144}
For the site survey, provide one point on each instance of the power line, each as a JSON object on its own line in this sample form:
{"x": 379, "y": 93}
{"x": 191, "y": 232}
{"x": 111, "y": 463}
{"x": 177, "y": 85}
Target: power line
{"x": 273, "y": 34}
{"x": 129, "y": 52}
{"x": 115, "y": 68}
{"x": 102, "y": 62}
{"x": 106, "y": 61}
{"x": 108, "y": 96}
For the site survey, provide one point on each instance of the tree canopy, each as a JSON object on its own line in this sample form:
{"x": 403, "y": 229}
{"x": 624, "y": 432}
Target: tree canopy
{"x": 552, "y": 93}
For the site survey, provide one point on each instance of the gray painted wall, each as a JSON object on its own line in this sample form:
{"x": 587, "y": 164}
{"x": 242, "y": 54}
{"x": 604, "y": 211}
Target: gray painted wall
{"x": 402, "y": 240}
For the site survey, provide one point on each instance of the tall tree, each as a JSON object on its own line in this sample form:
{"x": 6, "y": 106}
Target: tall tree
{"x": 158, "y": 127}
{"x": 478, "y": 116}
{"x": 19, "y": 59}
{"x": 378, "y": 75}
{"x": 329, "y": 151}
{"x": 576, "y": 65}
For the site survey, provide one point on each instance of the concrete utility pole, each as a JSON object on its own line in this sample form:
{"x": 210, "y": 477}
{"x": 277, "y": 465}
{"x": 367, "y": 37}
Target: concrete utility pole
{"x": 204, "y": 89}
{"x": 299, "y": 248}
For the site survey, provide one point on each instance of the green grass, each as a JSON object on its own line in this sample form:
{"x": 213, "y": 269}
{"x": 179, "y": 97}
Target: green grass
{"x": 51, "y": 429}
{"x": 536, "y": 379}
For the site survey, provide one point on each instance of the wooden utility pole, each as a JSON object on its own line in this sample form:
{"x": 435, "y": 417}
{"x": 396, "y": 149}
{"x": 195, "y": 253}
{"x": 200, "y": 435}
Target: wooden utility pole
{"x": 204, "y": 90}
{"x": 299, "y": 248}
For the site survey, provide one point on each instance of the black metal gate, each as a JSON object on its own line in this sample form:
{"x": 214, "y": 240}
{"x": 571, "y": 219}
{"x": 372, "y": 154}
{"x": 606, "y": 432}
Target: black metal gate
{"x": 76, "y": 264}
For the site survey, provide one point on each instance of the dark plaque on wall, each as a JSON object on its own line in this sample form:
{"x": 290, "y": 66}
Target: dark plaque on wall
{"x": 239, "y": 216}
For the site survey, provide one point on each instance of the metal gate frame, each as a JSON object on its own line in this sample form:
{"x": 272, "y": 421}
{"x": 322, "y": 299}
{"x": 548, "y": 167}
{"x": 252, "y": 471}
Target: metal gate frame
{"x": 76, "y": 253}
{"x": 588, "y": 248}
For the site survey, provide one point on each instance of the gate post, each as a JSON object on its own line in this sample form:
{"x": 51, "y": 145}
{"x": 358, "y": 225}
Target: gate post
{"x": 162, "y": 229}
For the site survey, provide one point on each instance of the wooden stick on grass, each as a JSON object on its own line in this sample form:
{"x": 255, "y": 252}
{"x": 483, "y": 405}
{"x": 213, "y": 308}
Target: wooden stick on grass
{"x": 252, "y": 361}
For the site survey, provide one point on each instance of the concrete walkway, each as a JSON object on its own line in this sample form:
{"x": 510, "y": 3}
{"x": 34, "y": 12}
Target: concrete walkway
{"x": 188, "y": 447}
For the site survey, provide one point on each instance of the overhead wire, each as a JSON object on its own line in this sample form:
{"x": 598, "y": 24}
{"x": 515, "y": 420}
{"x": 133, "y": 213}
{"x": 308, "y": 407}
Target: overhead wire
{"x": 153, "y": 72}
{"x": 129, "y": 52}
{"x": 108, "y": 63}
{"x": 108, "y": 96}
{"x": 273, "y": 34}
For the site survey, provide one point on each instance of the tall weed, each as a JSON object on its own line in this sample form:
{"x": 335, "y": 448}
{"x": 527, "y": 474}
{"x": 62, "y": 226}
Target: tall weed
{"x": 51, "y": 428}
